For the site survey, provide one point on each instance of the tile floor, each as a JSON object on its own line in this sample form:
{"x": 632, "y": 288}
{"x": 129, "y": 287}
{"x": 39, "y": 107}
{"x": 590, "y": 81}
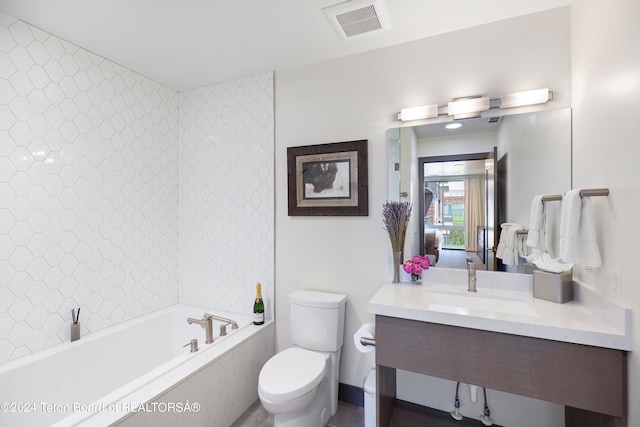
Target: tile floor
{"x": 347, "y": 416}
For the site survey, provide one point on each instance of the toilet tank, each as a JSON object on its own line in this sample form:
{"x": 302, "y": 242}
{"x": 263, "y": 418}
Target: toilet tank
{"x": 317, "y": 320}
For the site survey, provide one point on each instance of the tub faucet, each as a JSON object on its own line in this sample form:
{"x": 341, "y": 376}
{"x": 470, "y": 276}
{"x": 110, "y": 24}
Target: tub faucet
{"x": 208, "y": 327}
{"x": 226, "y": 321}
{"x": 472, "y": 279}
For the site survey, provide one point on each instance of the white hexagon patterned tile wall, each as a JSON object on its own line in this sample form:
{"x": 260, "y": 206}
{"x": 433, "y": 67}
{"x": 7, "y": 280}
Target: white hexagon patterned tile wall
{"x": 108, "y": 203}
{"x": 226, "y": 193}
{"x": 84, "y": 142}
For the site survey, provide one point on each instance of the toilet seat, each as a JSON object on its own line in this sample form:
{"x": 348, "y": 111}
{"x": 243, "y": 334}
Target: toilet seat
{"x": 291, "y": 373}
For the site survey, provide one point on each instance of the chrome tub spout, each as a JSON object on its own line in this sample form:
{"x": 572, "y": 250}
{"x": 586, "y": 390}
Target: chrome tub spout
{"x": 208, "y": 327}
{"x": 233, "y": 324}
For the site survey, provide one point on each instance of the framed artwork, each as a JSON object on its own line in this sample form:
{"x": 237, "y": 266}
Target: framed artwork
{"x": 328, "y": 179}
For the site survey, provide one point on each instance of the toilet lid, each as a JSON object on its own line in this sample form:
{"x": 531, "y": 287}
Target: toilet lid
{"x": 291, "y": 373}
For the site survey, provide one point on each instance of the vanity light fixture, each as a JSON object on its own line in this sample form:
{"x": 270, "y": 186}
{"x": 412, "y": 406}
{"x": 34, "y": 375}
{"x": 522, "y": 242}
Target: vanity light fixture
{"x": 528, "y": 97}
{"x": 469, "y": 107}
{"x": 417, "y": 113}
{"x": 453, "y": 125}
{"x": 466, "y": 108}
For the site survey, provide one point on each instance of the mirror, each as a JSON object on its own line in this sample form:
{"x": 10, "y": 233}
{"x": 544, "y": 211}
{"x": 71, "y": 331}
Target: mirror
{"x": 532, "y": 156}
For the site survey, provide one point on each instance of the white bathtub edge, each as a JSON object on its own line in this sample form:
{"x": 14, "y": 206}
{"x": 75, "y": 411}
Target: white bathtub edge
{"x": 162, "y": 385}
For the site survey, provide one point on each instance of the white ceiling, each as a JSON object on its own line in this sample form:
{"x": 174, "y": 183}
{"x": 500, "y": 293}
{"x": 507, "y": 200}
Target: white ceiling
{"x": 192, "y": 43}
{"x": 468, "y": 126}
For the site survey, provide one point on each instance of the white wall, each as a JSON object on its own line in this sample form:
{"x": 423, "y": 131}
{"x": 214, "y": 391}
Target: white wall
{"x": 358, "y": 97}
{"x": 539, "y": 158}
{"x": 606, "y": 89}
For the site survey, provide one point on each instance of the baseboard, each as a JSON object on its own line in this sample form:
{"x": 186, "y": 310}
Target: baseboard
{"x": 351, "y": 394}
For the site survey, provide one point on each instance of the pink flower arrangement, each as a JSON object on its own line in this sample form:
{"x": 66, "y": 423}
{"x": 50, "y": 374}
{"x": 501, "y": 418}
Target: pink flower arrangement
{"x": 416, "y": 265}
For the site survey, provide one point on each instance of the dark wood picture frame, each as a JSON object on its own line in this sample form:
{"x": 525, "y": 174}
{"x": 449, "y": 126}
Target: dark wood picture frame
{"x": 328, "y": 179}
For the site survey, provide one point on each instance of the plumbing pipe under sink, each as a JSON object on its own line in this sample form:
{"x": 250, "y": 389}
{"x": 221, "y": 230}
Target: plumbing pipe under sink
{"x": 455, "y": 414}
{"x": 473, "y": 393}
{"x": 485, "y": 418}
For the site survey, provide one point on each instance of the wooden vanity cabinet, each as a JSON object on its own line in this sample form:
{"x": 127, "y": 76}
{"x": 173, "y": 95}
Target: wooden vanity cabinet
{"x": 590, "y": 381}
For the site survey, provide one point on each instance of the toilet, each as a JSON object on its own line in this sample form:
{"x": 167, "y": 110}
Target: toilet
{"x": 299, "y": 385}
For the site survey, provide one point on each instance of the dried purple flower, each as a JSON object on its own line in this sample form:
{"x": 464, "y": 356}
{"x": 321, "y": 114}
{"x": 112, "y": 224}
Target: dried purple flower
{"x": 396, "y": 217}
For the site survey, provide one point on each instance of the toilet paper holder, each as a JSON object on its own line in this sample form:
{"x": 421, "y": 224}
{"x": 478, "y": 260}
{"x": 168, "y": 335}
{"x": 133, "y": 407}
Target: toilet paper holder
{"x": 367, "y": 341}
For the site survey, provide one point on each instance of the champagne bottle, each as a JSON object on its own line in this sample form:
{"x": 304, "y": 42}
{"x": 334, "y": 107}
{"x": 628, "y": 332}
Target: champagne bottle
{"x": 258, "y": 307}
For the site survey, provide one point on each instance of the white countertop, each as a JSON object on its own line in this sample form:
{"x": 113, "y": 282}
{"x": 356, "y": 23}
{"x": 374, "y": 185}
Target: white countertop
{"x": 504, "y": 303}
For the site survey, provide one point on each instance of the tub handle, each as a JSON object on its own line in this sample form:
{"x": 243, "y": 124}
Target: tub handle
{"x": 223, "y": 329}
{"x": 194, "y": 345}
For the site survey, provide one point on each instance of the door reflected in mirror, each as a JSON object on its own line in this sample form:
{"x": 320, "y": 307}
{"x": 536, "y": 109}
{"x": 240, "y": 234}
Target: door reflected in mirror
{"x": 464, "y": 182}
{"x": 444, "y": 210}
{"x": 456, "y": 208}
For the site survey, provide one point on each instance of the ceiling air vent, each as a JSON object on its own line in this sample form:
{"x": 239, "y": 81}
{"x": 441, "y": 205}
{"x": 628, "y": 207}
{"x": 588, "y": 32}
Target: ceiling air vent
{"x": 356, "y": 17}
{"x": 494, "y": 119}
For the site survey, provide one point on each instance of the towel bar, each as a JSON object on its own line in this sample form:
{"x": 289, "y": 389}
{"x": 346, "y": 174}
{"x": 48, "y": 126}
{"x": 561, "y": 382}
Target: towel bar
{"x": 590, "y": 192}
{"x": 552, "y": 198}
{"x": 594, "y": 192}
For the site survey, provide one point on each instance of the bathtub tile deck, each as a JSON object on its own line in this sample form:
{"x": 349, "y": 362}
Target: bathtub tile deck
{"x": 347, "y": 416}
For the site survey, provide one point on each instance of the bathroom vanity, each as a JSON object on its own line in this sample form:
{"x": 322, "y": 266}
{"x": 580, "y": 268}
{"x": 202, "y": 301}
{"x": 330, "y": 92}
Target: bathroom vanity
{"x": 502, "y": 338}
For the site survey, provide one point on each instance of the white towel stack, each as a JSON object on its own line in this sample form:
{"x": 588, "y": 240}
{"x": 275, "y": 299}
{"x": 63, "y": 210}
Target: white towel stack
{"x": 577, "y": 231}
{"x": 507, "y": 249}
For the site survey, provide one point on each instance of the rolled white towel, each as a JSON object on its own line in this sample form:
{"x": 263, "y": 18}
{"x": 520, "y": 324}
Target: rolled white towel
{"x": 546, "y": 263}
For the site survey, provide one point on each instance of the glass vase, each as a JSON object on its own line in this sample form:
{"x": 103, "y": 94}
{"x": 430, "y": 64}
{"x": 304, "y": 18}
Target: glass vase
{"x": 397, "y": 260}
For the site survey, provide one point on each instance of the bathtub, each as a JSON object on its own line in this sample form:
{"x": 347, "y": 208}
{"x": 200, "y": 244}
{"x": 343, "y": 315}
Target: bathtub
{"x": 139, "y": 374}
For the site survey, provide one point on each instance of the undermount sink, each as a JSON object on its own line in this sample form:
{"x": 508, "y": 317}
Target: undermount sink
{"x": 460, "y": 303}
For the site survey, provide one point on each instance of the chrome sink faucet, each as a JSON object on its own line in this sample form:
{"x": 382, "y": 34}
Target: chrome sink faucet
{"x": 471, "y": 273}
{"x": 207, "y": 322}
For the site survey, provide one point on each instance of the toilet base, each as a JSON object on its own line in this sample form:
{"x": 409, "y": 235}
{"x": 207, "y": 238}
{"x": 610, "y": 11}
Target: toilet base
{"x": 315, "y": 415}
